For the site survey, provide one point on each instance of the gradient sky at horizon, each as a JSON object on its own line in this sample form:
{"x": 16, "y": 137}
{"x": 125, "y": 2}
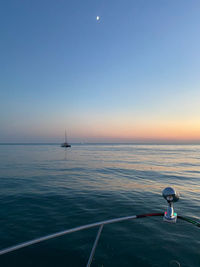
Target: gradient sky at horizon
{"x": 131, "y": 76}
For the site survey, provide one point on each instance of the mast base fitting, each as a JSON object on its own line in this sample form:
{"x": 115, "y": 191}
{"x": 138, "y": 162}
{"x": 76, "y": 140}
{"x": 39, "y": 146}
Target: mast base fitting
{"x": 171, "y": 219}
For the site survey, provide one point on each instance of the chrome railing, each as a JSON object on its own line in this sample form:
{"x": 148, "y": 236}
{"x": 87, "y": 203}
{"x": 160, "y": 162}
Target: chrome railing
{"x": 168, "y": 193}
{"x": 76, "y": 229}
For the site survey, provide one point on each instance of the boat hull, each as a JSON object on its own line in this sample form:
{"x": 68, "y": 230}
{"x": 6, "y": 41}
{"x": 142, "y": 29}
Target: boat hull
{"x": 65, "y": 145}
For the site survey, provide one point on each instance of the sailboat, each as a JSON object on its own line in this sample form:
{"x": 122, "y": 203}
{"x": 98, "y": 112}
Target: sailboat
{"x": 65, "y": 144}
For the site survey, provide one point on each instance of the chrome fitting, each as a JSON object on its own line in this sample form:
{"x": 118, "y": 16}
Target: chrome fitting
{"x": 171, "y": 196}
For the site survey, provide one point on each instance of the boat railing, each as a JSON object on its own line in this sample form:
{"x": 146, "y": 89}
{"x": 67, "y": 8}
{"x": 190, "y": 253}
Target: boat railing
{"x": 76, "y": 229}
{"x": 169, "y": 216}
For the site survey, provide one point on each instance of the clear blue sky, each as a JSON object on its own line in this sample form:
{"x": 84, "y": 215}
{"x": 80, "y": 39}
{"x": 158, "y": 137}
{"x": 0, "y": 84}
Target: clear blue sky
{"x": 132, "y": 75}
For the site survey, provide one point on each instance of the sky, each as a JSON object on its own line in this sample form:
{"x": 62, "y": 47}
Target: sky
{"x": 131, "y": 76}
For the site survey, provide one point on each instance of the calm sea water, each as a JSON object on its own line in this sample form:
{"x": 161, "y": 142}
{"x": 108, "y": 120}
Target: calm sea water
{"x": 46, "y": 188}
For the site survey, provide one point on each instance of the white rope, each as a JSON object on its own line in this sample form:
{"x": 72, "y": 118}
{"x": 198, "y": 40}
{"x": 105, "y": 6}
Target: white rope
{"x": 38, "y": 240}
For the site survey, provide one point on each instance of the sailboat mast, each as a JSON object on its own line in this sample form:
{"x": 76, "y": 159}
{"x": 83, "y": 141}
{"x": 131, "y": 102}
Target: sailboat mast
{"x": 65, "y": 137}
{"x": 65, "y": 144}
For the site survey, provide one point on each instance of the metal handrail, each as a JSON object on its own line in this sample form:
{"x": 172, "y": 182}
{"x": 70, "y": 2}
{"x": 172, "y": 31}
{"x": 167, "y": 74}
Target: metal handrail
{"x": 87, "y": 226}
{"x": 76, "y": 229}
{"x": 94, "y": 246}
{"x": 72, "y": 230}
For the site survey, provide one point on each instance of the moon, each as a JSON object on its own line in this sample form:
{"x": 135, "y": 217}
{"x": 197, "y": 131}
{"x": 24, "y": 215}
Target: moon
{"x": 97, "y": 18}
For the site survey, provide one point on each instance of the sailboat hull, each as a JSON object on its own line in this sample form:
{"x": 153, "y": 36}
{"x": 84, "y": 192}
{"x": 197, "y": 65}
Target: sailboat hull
{"x": 65, "y": 145}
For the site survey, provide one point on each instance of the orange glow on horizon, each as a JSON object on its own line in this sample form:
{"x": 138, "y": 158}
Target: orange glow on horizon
{"x": 160, "y": 131}
{"x": 120, "y": 129}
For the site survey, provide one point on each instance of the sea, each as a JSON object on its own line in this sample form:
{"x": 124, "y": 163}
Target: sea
{"x": 45, "y": 188}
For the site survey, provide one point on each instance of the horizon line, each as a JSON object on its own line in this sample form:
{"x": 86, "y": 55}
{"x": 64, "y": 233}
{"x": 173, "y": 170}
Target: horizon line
{"x": 105, "y": 142}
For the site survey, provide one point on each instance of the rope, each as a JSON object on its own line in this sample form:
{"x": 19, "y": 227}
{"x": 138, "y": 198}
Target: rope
{"x": 189, "y": 220}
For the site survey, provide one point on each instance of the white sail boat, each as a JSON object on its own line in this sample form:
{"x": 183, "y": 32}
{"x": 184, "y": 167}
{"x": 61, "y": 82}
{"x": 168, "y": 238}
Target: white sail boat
{"x": 65, "y": 144}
